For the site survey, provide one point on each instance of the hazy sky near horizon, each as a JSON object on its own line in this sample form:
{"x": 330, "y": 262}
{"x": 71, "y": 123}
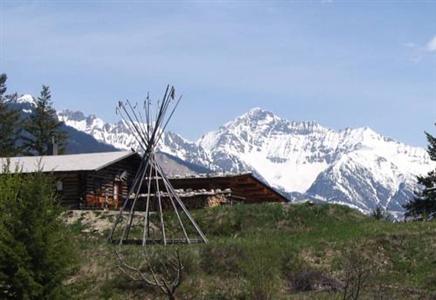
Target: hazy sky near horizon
{"x": 340, "y": 63}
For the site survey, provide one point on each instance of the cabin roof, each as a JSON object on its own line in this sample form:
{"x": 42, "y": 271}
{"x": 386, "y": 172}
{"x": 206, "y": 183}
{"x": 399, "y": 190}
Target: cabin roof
{"x": 64, "y": 163}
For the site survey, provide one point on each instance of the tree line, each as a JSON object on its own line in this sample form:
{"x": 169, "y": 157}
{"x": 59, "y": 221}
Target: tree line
{"x": 32, "y": 135}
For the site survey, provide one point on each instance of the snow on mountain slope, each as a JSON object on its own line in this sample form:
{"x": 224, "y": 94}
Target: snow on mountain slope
{"x": 116, "y": 135}
{"x": 120, "y": 137}
{"x": 356, "y": 167}
{"x": 367, "y": 179}
{"x": 26, "y": 103}
{"x": 271, "y": 146}
{"x": 26, "y": 99}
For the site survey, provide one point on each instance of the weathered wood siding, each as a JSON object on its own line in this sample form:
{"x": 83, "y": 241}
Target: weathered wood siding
{"x": 72, "y": 188}
{"x": 245, "y": 186}
{"x": 95, "y": 189}
{"x": 100, "y": 184}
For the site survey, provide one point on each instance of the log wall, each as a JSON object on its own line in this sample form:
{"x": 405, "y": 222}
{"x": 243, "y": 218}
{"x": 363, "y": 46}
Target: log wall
{"x": 95, "y": 189}
{"x": 72, "y": 187}
{"x": 245, "y": 186}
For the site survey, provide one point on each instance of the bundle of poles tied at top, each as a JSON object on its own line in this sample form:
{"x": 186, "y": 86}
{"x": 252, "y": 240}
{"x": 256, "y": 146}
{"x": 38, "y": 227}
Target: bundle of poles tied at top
{"x": 151, "y": 187}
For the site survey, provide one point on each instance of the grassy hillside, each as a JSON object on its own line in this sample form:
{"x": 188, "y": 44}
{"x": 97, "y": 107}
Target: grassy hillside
{"x": 274, "y": 251}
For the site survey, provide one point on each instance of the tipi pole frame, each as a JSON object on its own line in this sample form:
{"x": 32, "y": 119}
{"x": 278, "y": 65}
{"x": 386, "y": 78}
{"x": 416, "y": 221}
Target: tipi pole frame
{"x": 148, "y": 135}
{"x": 126, "y": 230}
{"x": 170, "y": 196}
{"x": 185, "y": 210}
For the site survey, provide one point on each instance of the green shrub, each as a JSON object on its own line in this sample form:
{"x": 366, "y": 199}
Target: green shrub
{"x": 35, "y": 249}
{"x": 358, "y": 270}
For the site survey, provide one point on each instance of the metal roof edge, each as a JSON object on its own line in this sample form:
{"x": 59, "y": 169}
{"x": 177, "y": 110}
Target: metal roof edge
{"x": 131, "y": 153}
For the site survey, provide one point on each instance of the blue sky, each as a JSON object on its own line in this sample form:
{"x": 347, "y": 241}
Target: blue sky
{"x": 342, "y": 64}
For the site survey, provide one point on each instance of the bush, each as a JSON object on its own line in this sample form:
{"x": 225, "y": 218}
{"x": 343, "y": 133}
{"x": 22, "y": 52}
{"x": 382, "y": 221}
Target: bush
{"x": 358, "y": 271}
{"x": 35, "y": 251}
{"x": 160, "y": 267}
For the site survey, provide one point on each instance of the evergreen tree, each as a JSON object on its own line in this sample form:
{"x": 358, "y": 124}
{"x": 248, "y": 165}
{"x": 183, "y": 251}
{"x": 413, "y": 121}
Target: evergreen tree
{"x": 9, "y": 123}
{"x": 424, "y": 203}
{"x": 43, "y": 126}
{"x": 36, "y": 253}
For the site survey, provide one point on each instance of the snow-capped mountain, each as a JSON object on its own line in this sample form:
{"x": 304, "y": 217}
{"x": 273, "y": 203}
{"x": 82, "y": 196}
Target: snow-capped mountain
{"x": 120, "y": 137}
{"x": 356, "y": 167}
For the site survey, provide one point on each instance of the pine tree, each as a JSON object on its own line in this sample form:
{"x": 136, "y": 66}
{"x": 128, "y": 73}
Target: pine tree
{"x": 43, "y": 126}
{"x": 36, "y": 252}
{"x": 9, "y": 123}
{"x": 424, "y": 203}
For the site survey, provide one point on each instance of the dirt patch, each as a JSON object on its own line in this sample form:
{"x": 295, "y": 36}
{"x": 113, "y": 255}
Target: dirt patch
{"x": 96, "y": 221}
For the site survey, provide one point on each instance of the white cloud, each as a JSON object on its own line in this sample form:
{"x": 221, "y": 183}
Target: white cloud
{"x": 431, "y": 45}
{"x": 418, "y": 52}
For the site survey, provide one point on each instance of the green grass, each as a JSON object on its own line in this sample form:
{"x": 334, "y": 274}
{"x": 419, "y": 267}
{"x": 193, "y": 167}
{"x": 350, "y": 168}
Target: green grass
{"x": 254, "y": 250}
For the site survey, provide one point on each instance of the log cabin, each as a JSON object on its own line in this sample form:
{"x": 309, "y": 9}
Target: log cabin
{"x": 206, "y": 190}
{"x": 92, "y": 180}
{"x": 102, "y": 180}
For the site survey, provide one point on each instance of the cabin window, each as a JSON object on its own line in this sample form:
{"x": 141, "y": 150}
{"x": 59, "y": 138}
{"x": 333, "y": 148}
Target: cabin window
{"x": 59, "y": 186}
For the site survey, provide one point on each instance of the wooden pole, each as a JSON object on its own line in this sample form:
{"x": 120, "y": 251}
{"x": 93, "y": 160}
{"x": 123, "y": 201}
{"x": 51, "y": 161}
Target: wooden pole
{"x": 146, "y": 233}
{"x": 179, "y": 201}
{"x": 160, "y": 204}
{"x": 175, "y": 208}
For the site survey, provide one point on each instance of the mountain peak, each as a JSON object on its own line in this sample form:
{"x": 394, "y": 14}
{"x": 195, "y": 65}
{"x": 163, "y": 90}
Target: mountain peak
{"x": 26, "y": 99}
{"x": 258, "y": 112}
{"x": 255, "y": 115}
{"x": 260, "y": 115}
